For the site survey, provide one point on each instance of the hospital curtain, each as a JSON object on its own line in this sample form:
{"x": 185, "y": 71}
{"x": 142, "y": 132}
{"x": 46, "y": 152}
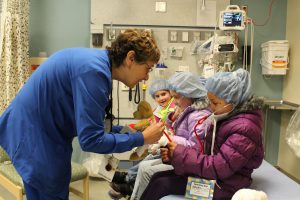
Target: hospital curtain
{"x": 14, "y": 49}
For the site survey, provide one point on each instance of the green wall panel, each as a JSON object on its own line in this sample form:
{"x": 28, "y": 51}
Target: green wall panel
{"x": 58, "y": 24}
{"x": 269, "y": 87}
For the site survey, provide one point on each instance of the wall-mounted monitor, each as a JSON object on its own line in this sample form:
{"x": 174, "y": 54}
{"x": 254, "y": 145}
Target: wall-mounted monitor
{"x": 232, "y": 18}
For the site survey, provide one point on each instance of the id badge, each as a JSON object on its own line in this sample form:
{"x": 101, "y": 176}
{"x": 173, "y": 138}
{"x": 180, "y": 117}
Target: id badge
{"x": 198, "y": 188}
{"x": 108, "y": 167}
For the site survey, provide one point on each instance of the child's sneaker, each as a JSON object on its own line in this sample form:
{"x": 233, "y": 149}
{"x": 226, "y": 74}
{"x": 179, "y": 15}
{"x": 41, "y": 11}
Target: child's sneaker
{"x": 124, "y": 188}
{"x": 115, "y": 195}
{"x": 119, "y": 177}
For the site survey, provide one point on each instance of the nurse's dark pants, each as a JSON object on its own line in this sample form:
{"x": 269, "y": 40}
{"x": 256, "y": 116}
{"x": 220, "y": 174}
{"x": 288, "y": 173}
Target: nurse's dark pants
{"x": 34, "y": 194}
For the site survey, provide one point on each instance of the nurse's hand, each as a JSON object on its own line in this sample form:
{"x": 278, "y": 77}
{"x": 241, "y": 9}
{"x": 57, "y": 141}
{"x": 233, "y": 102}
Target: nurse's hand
{"x": 167, "y": 152}
{"x": 153, "y": 133}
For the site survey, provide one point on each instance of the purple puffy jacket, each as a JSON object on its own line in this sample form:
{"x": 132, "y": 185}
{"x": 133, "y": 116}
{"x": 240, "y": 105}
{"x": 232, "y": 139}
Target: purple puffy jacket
{"x": 238, "y": 150}
{"x": 184, "y": 126}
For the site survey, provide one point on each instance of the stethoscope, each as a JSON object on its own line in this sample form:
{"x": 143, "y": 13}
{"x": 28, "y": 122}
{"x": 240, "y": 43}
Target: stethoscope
{"x": 137, "y": 95}
{"x": 199, "y": 122}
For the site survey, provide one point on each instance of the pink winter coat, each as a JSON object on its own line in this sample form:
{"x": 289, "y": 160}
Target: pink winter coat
{"x": 238, "y": 150}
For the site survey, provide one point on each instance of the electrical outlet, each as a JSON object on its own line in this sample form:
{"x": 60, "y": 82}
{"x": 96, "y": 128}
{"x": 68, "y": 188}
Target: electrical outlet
{"x": 173, "y": 36}
{"x": 185, "y": 36}
{"x": 111, "y": 34}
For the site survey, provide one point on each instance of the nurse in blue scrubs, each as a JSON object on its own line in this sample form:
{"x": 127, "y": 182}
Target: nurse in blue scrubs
{"x": 66, "y": 97}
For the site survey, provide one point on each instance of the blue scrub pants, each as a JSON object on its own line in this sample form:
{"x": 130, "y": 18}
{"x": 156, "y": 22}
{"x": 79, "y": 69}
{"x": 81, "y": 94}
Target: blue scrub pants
{"x": 34, "y": 194}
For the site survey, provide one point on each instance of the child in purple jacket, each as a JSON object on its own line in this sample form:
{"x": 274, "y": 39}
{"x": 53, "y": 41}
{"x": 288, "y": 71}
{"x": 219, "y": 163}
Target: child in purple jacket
{"x": 190, "y": 97}
{"x": 233, "y": 146}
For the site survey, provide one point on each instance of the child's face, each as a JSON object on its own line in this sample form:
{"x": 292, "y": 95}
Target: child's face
{"x": 162, "y": 97}
{"x": 218, "y": 104}
{"x": 181, "y": 101}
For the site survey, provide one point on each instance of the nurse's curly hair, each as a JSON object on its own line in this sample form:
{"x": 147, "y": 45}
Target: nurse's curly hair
{"x": 137, "y": 40}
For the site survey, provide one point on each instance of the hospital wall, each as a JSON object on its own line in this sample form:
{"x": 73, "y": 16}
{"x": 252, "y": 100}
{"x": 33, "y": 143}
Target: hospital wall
{"x": 286, "y": 158}
{"x": 60, "y": 24}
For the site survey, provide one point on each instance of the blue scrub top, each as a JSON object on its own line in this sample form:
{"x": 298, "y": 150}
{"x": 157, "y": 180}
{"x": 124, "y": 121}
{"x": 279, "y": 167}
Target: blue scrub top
{"x": 65, "y": 97}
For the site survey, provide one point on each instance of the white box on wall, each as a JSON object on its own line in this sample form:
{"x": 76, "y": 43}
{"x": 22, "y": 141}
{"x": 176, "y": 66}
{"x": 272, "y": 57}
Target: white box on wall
{"x": 160, "y": 6}
{"x": 185, "y": 36}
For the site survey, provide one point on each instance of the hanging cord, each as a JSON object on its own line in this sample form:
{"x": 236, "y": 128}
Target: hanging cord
{"x": 130, "y": 94}
{"x": 108, "y": 111}
{"x": 213, "y": 138}
{"x": 118, "y": 102}
{"x": 109, "y": 108}
{"x": 245, "y": 56}
{"x": 137, "y": 95}
{"x": 252, "y": 45}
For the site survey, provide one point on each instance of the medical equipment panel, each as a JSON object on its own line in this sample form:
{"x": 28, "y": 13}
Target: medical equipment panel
{"x": 232, "y": 18}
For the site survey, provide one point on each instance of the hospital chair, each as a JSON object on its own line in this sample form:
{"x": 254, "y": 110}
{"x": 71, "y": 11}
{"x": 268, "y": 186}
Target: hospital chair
{"x": 11, "y": 180}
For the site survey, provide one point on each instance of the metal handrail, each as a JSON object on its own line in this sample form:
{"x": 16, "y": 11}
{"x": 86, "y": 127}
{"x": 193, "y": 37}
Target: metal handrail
{"x": 281, "y": 104}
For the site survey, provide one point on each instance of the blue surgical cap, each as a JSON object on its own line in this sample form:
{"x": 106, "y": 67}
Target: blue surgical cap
{"x": 188, "y": 85}
{"x": 233, "y": 87}
{"x": 158, "y": 85}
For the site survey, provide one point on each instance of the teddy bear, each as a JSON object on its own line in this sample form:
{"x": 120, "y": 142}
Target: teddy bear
{"x": 145, "y": 113}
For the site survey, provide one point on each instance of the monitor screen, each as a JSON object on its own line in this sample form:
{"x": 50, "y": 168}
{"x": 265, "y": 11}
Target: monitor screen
{"x": 232, "y": 19}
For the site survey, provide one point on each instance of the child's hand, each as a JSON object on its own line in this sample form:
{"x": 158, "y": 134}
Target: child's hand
{"x": 167, "y": 152}
{"x": 171, "y": 147}
{"x": 154, "y": 152}
{"x": 153, "y": 149}
{"x": 164, "y": 153}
